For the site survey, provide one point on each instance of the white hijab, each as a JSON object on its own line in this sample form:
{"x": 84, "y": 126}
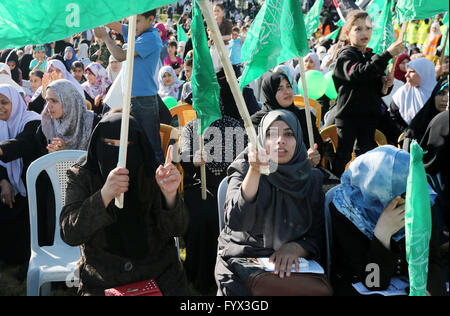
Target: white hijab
{"x": 410, "y": 100}
{"x": 6, "y": 78}
{"x": 83, "y": 51}
{"x": 10, "y": 129}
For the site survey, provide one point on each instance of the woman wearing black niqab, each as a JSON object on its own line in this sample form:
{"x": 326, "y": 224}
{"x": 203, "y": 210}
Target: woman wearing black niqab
{"x": 124, "y": 246}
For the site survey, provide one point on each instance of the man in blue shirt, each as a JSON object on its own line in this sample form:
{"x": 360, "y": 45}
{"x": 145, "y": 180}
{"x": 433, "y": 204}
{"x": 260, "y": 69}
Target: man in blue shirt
{"x": 144, "y": 102}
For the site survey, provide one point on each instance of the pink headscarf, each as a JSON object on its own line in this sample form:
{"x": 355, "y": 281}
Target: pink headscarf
{"x": 101, "y": 81}
{"x": 163, "y": 30}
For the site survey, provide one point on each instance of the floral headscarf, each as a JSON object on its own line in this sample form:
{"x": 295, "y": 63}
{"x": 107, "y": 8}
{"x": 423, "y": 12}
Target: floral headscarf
{"x": 101, "y": 81}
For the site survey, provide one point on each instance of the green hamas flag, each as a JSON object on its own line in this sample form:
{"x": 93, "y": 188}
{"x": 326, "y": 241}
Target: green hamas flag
{"x": 417, "y": 223}
{"x": 408, "y": 10}
{"x": 44, "y": 21}
{"x": 383, "y": 33}
{"x": 277, "y": 34}
{"x": 312, "y": 19}
{"x": 181, "y": 34}
{"x": 205, "y": 88}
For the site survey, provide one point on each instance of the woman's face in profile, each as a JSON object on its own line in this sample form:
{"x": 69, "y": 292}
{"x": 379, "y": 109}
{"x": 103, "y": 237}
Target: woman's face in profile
{"x": 285, "y": 94}
{"x": 412, "y": 78}
{"x": 280, "y": 142}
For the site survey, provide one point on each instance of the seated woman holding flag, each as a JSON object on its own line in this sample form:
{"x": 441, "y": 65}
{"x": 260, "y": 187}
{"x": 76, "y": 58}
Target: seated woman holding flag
{"x": 133, "y": 244}
{"x": 368, "y": 220}
{"x": 279, "y": 215}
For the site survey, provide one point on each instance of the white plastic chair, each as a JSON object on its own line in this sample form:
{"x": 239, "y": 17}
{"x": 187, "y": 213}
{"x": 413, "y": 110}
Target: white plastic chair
{"x": 54, "y": 263}
{"x": 221, "y": 195}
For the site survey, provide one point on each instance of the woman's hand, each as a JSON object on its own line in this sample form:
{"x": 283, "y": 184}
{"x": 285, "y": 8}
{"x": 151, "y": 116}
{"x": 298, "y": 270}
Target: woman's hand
{"x": 287, "y": 256}
{"x": 314, "y": 156}
{"x": 56, "y": 145}
{"x": 391, "y": 220}
{"x": 168, "y": 178}
{"x": 116, "y": 184}
{"x": 257, "y": 158}
{"x": 7, "y": 193}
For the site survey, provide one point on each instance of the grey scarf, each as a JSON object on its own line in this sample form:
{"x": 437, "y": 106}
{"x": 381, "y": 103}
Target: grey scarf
{"x": 287, "y": 209}
{"x": 75, "y": 125}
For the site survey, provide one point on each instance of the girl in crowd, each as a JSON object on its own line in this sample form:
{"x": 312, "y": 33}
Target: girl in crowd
{"x": 358, "y": 78}
{"x": 16, "y": 137}
{"x": 437, "y": 103}
{"x": 202, "y": 233}
{"x": 5, "y": 78}
{"x": 368, "y": 216}
{"x": 169, "y": 84}
{"x": 77, "y": 72}
{"x": 172, "y": 59}
{"x": 66, "y": 123}
{"x": 278, "y": 93}
{"x": 40, "y": 59}
{"x": 113, "y": 68}
{"x": 399, "y": 77}
{"x": 278, "y": 216}
{"x": 55, "y": 70}
{"x": 10, "y": 57}
{"x": 411, "y": 97}
{"x": 124, "y": 246}
{"x": 97, "y": 83}
{"x": 163, "y": 34}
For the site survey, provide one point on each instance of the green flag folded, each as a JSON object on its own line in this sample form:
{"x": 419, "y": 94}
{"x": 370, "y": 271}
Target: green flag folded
{"x": 181, "y": 34}
{"x": 44, "y": 21}
{"x": 205, "y": 88}
{"x": 383, "y": 34}
{"x": 408, "y": 10}
{"x": 312, "y": 19}
{"x": 417, "y": 222}
{"x": 277, "y": 35}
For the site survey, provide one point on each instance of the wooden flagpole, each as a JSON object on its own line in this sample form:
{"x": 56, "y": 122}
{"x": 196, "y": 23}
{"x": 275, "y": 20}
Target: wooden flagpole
{"x": 205, "y": 6}
{"x": 122, "y": 161}
{"x": 391, "y": 70}
{"x": 202, "y": 168}
{"x": 443, "y": 49}
{"x": 307, "y": 108}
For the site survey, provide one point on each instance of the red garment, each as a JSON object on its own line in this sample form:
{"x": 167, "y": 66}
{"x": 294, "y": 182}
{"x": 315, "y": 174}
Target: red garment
{"x": 399, "y": 74}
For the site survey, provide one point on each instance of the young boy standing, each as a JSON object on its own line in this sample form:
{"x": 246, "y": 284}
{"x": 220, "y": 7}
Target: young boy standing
{"x": 144, "y": 102}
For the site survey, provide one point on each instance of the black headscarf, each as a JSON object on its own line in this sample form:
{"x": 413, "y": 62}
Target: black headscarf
{"x": 126, "y": 237}
{"x": 269, "y": 87}
{"x": 11, "y": 55}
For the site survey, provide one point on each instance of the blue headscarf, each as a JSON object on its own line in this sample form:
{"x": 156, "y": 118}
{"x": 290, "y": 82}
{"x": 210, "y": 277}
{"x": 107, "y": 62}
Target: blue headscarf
{"x": 69, "y": 62}
{"x": 369, "y": 184}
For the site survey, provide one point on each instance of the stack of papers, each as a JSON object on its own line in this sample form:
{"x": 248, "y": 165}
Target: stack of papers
{"x": 305, "y": 266}
{"x": 396, "y": 288}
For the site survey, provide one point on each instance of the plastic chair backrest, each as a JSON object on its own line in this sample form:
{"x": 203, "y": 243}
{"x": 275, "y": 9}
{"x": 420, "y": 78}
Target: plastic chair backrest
{"x": 400, "y": 140}
{"x": 56, "y": 165}
{"x": 330, "y": 132}
{"x": 167, "y": 133}
{"x": 299, "y": 101}
{"x": 185, "y": 113}
{"x": 380, "y": 139}
{"x": 221, "y": 196}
